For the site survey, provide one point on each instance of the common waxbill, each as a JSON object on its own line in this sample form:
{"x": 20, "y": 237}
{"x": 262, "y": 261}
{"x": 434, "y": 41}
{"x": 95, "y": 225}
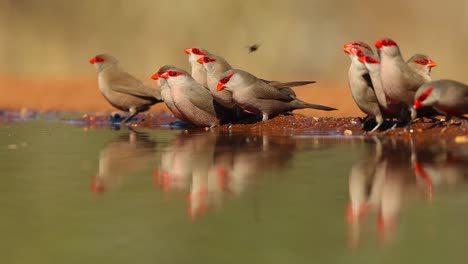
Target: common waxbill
{"x": 122, "y": 90}
{"x": 214, "y": 67}
{"x": 420, "y": 63}
{"x": 361, "y": 86}
{"x": 198, "y": 71}
{"x": 446, "y": 96}
{"x": 399, "y": 80}
{"x": 166, "y": 92}
{"x": 256, "y": 96}
{"x": 193, "y": 100}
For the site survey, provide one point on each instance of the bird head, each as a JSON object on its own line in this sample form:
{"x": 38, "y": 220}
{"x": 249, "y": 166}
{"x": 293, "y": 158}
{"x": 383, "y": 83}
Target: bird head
{"x": 385, "y": 42}
{"x": 426, "y": 62}
{"x": 156, "y": 76}
{"x": 195, "y": 51}
{"x": 224, "y": 81}
{"x": 96, "y": 59}
{"x": 347, "y": 47}
{"x": 205, "y": 60}
{"x": 102, "y": 61}
{"x": 170, "y": 74}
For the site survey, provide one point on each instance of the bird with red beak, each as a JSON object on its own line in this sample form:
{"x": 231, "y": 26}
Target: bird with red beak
{"x": 448, "y": 97}
{"x": 256, "y": 96}
{"x": 194, "y": 102}
{"x": 122, "y": 90}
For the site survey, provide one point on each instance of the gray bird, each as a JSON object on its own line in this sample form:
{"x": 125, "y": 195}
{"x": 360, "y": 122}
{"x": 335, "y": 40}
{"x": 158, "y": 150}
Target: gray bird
{"x": 360, "y": 83}
{"x": 198, "y": 71}
{"x": 193, "y": 100}
{"x": 256, "y": 96}
{"x": 122, "y": 90}
{"x": 446, "y": 96}
{"x": 420, "y": 63}
{"x": 399, "y": 80}
{"x": 166, "y": 92}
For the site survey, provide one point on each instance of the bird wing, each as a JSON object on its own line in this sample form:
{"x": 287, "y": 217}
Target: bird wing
{"x": 202, "y": 98}
{"x": 263, "y": 90}
{"x": 126, "y": 83}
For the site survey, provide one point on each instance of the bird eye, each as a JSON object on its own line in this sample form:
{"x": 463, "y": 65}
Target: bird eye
{"x": 196, "y": 51}
{"x": 172, "y": 73}
{"x": 224, "y": 80}
{"x": 421, "y": 61}
{"x": 206, "y": 59}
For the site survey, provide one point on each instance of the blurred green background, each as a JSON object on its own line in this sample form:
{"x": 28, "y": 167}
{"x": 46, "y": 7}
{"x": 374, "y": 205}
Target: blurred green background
{"x": 297, "y": 37}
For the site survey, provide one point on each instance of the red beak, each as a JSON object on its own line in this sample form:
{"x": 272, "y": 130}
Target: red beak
{"x": 379, "y": 44}
{"x": 155, "y": 76}
{"x": 164, "y": 75}
{"x": 431, "y": 64}
{"x": 95, "y": 59}
{"x": 220, "y": 86}
{"x": 201, "y": 60}
{"x": 347, "y": 48}
{"x": 362, "y": 59}
{"x": 188, "y": 50}
{"x": 417, "y": 104}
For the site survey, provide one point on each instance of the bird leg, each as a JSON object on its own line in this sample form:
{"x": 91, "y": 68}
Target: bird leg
{"x": 379, "y": 119}
{"x": 264, "y": 117}
{"x": 133, "y": 112}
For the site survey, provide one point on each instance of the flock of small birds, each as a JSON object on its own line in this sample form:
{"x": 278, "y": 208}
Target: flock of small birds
{"x": 384, "y": 86}
{"x": 388, "y": 88}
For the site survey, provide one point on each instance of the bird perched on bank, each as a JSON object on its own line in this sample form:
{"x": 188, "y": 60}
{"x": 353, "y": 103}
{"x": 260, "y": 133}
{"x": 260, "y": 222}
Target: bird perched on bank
{"x": 359, "y": 80}
{"x": 214, "y": 67}
{"x": 420, "y": 63}
{"x": 122, "y": 90}
{"x": 448, "y": 97}
{"x": 399, "y": 80}
{"x": 198, "y": 71}
{"x": 256, "y": 96}
{"x": 166, "y": 92}
{"x": 194, "y": 101}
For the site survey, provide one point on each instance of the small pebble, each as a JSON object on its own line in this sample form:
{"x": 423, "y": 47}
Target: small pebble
{"x": 461, "y": 139}
{"x": 348, "y": 132}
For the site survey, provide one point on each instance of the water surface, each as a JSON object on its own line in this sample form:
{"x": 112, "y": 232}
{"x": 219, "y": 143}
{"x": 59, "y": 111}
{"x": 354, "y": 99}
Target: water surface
{"x": 69, "y": 194}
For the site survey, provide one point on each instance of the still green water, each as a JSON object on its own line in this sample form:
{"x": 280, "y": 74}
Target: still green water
{"x": 75, "y": 195}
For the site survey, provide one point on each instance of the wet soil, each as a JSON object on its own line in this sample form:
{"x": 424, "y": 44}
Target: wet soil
{"x": 421, "y": 130}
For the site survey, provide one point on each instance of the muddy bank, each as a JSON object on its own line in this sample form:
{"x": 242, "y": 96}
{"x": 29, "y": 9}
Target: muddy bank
{"x": 421, "y": 130}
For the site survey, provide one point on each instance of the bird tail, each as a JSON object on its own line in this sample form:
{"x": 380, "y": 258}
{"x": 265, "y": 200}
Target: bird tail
{"x": 281, "y": 85}
{"x": 315, "y": 106}
{"x": 295, "y": 83}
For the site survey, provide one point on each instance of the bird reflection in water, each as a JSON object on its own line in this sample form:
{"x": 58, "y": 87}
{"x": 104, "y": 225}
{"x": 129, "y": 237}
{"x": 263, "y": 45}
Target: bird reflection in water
{"x": 391, "y": 172}
{"x": 212, "y": 166}
{"x": 128, "y": 154}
